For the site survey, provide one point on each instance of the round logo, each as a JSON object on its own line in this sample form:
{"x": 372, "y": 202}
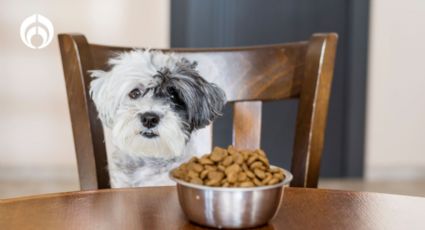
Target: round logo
{"x": 36, "y": 25}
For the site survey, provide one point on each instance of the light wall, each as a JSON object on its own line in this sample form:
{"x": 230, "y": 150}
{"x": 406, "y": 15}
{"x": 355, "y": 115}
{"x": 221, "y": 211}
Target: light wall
{"x": 34, "y": 120}
{"x": 395, "y": 146}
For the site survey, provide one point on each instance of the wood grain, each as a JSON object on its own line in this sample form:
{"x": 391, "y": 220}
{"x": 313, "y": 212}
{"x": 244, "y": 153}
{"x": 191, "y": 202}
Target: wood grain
{"x": 158, "y": 208}
{"x": 247, "y": 124}
{"x": 87, "y": 128}
{"x": 248, "y": 75}
{"x": 312, "y": 111}
{"x": 272, "y": 72}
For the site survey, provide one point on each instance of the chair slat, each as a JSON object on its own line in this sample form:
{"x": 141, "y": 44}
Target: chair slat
{"x": 261, "y": 73}
{"x": 312, "y": 110}
{"x": 247, "y": 124}
{"x": 87, "y": 128}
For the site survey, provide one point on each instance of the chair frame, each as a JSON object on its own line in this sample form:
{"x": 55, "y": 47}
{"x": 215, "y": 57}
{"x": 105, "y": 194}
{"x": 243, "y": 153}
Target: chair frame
{"x": 301, "y": 70}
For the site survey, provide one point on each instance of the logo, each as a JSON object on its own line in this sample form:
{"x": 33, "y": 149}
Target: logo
{"x": 36, "y": 25}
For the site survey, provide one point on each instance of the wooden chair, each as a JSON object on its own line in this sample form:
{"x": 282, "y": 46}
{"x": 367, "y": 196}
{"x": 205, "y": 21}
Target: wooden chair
{"x": 248, "y": 75}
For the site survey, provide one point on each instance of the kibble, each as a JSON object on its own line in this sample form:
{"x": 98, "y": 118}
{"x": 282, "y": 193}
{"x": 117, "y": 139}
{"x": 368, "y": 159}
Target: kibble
{"x": 230, "y": 168}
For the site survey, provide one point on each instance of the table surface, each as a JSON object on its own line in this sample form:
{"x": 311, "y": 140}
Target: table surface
{"x": 158, "y": 208}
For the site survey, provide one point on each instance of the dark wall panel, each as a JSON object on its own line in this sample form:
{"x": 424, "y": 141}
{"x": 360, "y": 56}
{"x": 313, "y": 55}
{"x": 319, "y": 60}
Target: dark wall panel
{"x": 221, "y": 23}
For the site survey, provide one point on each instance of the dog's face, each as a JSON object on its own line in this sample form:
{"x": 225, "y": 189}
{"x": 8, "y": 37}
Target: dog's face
{"x": 153, "y": 101}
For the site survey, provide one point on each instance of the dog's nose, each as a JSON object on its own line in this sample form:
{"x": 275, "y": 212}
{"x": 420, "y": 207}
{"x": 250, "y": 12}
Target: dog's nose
{"x": 149, "y": 120}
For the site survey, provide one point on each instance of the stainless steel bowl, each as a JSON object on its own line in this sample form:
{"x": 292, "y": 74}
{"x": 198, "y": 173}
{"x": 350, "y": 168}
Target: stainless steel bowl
{"x": 231, "y": 207}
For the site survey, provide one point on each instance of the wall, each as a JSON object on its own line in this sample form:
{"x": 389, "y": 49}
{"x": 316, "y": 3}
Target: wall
{"x": 34, "y": 120}
{"x": 395, "y": 146}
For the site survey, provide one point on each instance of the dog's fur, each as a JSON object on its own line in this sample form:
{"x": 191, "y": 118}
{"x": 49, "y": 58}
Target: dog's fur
{"x": 159, "y": 86}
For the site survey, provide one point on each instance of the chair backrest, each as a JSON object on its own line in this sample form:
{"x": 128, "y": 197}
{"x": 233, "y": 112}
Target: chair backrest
{"x": 248, "y": 75}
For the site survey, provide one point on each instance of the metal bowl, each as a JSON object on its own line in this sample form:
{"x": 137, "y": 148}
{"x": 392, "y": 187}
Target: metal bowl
{"x": 220, "y": 207}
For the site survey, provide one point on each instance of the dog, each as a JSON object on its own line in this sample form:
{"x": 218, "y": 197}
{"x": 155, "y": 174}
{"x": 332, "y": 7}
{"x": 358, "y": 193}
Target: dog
{"x": 153, "y": 102}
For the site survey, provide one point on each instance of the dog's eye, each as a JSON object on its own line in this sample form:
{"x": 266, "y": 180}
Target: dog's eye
{"x": 172, "y": 93}
{"x": 134, "y": 94}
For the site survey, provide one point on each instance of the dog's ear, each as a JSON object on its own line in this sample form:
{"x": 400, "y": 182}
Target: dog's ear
{"x": 204, "y": 100}
{"x": 211, "y": 105}
{"x": 102, "y": 96}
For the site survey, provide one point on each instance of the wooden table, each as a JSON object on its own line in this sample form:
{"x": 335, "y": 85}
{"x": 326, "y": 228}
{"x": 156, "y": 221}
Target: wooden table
{"x": 158, "y": 208}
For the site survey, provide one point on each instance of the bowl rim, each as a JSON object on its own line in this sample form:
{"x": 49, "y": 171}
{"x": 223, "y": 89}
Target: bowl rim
{"x": 288, "y": 178}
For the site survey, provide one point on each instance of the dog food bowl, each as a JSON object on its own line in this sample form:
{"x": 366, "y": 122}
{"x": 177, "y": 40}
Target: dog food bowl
{"x": 221, "y": 207}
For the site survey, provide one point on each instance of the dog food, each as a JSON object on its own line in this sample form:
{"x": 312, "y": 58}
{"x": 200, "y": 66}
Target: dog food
{"x": 230, "y": 168}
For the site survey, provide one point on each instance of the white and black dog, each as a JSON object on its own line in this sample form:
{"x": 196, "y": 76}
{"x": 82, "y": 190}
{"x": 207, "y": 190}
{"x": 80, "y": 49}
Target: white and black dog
{"x": 152, "y": 102}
